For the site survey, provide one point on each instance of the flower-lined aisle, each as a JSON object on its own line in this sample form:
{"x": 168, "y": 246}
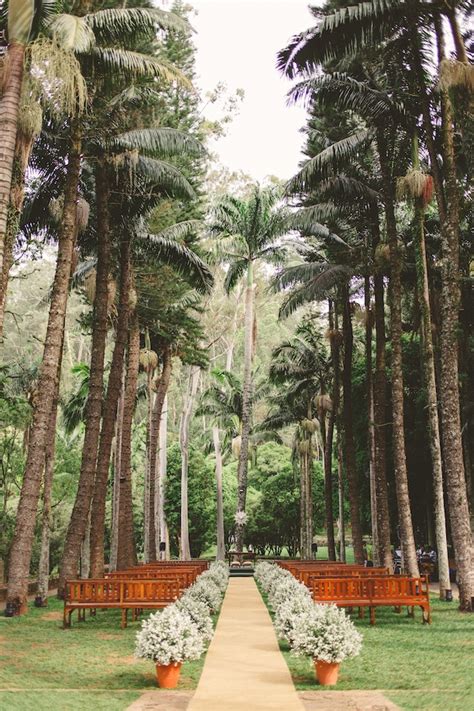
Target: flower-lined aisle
{"x": 182, "y": 631}
{"x": 323, "y": 632}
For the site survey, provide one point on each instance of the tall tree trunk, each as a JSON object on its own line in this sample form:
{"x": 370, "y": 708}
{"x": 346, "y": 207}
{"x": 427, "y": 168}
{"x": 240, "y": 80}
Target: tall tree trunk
{"x": 9, "y": 107}
{"x": 220, "y": 555}
{"x": 370, "y": 418}
{"x": 43, "y": 567}
{"x": 47, "y": 387}
{"x": 342, "y": 525}
{"x": 146, "y": 483}
{"x": 193, "y": 381}
{"x": 127, "y": 554}
{"x": 117, "y": 467}
{"x": 162, "y": 467}
{"x": 380, "y": 413}
{"x": 93, "y": 413}
{"x": 449, "y": 381}
{"x": 109, "y": 414}
{"x": 395, "y": 295}
{"x": 85, "y": 556}
{"x": 329, "y": 434}
{"x": 161, "y": 390}
{"x": 349, "y": 444}
{"x": 421, "y": 265}
{"x": 246, "y": 410}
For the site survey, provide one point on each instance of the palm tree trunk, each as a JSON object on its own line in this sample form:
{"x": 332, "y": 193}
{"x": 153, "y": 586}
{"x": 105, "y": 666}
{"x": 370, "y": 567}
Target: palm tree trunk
{"x": 9, "y": 107}
{"x": 432, "y": 398}
{"x": 395, "y": 294}
{"x": 342, "y": 525}
{"x": 116, "y": 457}
{"x": 153, "y": 518}
{"x": 349, "y": 444}
{"x": 220, "y": 555}
{"x": 380, "y": 414}
{"x": 246, "y": 410}
{"x": 193, "y": 381}
{"x": 47, "y": 387}
{"x": 80, "y": 513}
{"x": 370, "y": 418}
{"x": 43, "y": 567}
{"x": 146, "y": 483}
{"x": 127, "y": 554}
{"x": 303, "y": 529}
{"x": 329, "y": 437}
{"x": 162, "y": 467}
{"x": 109, "y": 415}
{"x": 449, "y": 381}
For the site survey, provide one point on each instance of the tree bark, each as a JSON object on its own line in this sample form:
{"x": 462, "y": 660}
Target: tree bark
{"x": 342, "y": 525}
{"x": 349, "y": 445}
{"x": 329, "y": 436}
{"x": 410, "y": 562}
{"x": 162, "y": 467}
{"x": 432, "y": 398}
{"x": 449, "y": 380}
{"x": 154, "y": 504}
{"x": 370, "y": 418}
{"x": 47, "y": 387}
{"x": 109, "y": 415}
{"x": 193, "y": 380}
{"x": 127, "y": 554}
{"x": 9, "y": 108}
{"x": 246, "y": 410}
{"x": 380, "y": 414}
{"x": 116, "y": 457}
{"x": 220, "y": 555}
{"x": 80, "y": 513}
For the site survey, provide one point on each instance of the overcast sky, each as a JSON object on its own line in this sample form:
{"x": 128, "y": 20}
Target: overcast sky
{"x": 237, "y": 42}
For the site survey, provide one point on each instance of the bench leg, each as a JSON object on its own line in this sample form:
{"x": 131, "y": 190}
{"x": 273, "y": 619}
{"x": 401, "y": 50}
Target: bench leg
{"x": 397, "y": 609}
{"x": 361, "y": 613}
{"x": 411, "y": 611}
{"x": 372, "y": 615}
{"x": 66, "y": 621}
{"x": 124, "y": 618}
{"x": 426, "y": 615}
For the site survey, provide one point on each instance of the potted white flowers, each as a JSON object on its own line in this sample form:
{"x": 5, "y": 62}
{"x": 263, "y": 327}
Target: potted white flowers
{"x": 327, "y": 635}
{"x": 169, "y": 638}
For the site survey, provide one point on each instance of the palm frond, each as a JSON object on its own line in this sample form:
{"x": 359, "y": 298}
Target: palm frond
{"x": 162, "y": 141}
{"x": 115, "y": 24}
{"x": 134, "y": 64}
{"x": 182, "y": 259}
{"x": 164, "y": 176}
{"x": 235, "y": 271}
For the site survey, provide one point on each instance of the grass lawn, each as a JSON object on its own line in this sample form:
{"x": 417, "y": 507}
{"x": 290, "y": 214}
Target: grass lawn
{"x": 422, "y": 667}
{"x": 90, "y": 666}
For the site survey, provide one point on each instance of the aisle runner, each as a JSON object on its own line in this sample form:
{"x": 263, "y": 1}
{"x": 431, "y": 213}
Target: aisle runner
{"x": 244, "y": 668}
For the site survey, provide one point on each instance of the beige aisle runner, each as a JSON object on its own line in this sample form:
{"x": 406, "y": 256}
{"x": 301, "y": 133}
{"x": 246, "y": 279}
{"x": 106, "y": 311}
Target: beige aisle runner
{"x": 244, "y": 668}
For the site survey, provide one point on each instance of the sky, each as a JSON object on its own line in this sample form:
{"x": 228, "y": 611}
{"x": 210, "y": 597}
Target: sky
{"x": 237, "y": 42}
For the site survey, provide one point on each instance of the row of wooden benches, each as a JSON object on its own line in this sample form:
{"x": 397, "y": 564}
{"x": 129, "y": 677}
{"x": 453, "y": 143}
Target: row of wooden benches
{"x": 357, "y": 586}
{"x": 149, "y": 586}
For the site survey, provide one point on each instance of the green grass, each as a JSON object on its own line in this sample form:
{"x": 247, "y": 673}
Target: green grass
{"x": 426, "y": 667}
{"x": 90, "y": 666}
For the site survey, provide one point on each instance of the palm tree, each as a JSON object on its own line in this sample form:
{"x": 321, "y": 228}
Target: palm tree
{"x": 87, "y": 32}
{"x": 300, "y": 367}
{"x": 249, "y": 232}
{"x": 349, "y": 30}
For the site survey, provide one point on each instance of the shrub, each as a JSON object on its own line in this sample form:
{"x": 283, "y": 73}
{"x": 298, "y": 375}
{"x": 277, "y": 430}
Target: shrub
{"x": 287, "y": 615}
{"x": 169, "y": 636}
{"x": 199, "y": 613}
{"x": 326, "y": 633}
{"x": 206, "y": 590}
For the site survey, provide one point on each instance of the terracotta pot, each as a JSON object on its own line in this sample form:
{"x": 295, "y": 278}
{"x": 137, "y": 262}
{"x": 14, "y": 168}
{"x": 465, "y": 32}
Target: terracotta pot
{"x": 327, "y": 672}
{"x": 167, "y": 675}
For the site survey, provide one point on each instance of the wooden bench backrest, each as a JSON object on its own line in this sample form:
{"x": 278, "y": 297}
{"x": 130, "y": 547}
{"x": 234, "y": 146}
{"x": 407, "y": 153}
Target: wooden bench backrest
{"x": 119, "y": 591}
{"x": 307, "y": 576}
{"x": 374, "y": 588}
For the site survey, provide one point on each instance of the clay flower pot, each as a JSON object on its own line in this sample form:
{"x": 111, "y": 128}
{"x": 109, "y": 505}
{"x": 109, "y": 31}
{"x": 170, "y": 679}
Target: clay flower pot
{"x": 327, "y": 672}
{"x": 167, "y": 675}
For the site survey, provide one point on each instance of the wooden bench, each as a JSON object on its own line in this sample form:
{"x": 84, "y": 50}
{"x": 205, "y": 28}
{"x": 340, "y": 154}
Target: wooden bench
{"x": 372, "y": 592}
{"x": 306, "y": 576}
{"x": 107, "y": 593}
{"x": 185, "y": 576}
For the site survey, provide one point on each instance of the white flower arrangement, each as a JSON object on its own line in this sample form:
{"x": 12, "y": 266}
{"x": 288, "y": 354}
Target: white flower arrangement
{"x": 285, "y": 589}
{"x": 206, "y": 590}
{"x": 218, "y": 574}
{"x": 266, "y": 573}
{"x": 199, "y": 613}
{"x": 169, "y": 636}
{"x": 287, "y": 614}
{"x": 240, "y": 518}
{"x": 325, "y": 633}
